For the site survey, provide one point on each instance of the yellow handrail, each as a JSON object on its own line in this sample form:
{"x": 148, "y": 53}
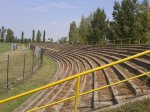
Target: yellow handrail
{"x": 81, "y": 94}
{"x": 77, "y": 94}
{"x": 73, "y": 77}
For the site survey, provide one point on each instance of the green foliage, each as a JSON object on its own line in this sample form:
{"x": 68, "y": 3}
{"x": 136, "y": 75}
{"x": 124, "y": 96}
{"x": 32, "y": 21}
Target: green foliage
{"x": 2, "y": 34}
{"x": 63, "y": 40}
{"x": 84, "y": 29}
{"x": 73, "y": 33}
{"x": 124, "y": 15}
{"x": 50, "y": 39}
{"x": 131, "y": 19}
{"x": 143, "y": 21}
{"x": 22, "y": 37}
{"x": 33, "y": 35}
{"x": 99, "y": 25}
{"x": 44, "y": 36}
{"x": 26, "y": 40}
{"x": 38, "y": 36}
{"x": 10, "y": 36}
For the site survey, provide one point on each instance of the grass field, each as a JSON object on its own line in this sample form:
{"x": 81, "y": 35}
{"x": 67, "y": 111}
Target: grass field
{"x": 40, "y": 78}
{"x": 139, "y": 106}
{"x": 4, "y": 47}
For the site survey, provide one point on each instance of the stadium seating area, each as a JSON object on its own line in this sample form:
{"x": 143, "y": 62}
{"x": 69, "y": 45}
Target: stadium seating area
{"x": 73, "y": 59}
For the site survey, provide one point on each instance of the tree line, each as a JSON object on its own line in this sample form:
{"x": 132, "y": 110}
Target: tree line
{"x": 131, "y": 19}
{"x": 7, "y": 35}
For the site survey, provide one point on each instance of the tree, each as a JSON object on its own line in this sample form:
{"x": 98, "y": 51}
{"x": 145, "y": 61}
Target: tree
{"x": 2, "y": 33}
{"x": 29, "y": 40}
{"x": 73, "y": 33}
{"x": 124, "y": 15}
{"x": 33, "y": 35}
{"x": 50, "y": 39}
{"x": 143, "y": 21}
{"x": 111, "y": 32}
{"x": 99, "y": 25}
{"x": 84, "y": 29}
{"x": 44, "y": 36}
{"x": 63, "y": 40}
{"x": 16, "y": 40}
{"x": 38, "y": 37}
{"x": 10, "y": 36}
{"x": 22, "y": 37}
{"x": 25, "y": 40}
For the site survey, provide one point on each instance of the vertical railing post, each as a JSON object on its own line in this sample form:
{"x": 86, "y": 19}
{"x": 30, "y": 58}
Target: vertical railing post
{"x": 77, "y": 94}
{"x": 7, "y": 71}
{"x": 24, "y": 65}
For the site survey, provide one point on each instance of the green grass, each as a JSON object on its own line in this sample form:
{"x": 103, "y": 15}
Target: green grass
{"x": 139, "y": 106}
{"x": 16, "y": 65}
{"x": 40, "y": 78}
{"x": 4, "y": 47}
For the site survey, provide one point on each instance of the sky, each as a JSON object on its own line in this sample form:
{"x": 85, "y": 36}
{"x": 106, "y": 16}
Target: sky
{"x": 54, "y": 16}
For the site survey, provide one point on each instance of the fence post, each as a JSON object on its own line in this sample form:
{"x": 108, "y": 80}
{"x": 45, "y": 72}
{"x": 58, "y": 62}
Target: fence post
{"x": 33, "y": 62}
{"x": 77, "y": 94}
{"x": 24, "y": 65}
{"x": 38, "y": 61}
{"x": 7, "y": 71}
{"x": 41, "y": 57}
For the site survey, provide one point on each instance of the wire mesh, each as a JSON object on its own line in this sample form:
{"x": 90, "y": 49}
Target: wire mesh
{"x": 18, "y": 67}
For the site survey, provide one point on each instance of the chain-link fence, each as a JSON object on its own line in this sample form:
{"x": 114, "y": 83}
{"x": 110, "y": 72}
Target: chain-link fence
{"x": 18, "y": 67}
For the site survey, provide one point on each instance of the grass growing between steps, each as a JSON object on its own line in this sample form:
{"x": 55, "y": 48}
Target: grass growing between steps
{"x": 139, "y": 106}
{"x": 40, "y": 78}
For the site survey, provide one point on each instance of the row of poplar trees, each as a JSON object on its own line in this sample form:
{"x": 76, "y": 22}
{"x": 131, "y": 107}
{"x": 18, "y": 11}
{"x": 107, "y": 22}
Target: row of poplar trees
{"x": 131, "y": 19}
{"x": 7, "y": 35}
{"x": 38, "y": 37}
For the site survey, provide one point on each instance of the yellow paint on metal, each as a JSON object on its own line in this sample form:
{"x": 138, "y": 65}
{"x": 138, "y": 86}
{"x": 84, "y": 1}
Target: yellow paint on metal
{"x": 66, "y": 99}
{"x": 125, "y": 80}
{"x": 77, "y": 94}
{"x": 74, "y": 76}
{"x": 81, "y": 94}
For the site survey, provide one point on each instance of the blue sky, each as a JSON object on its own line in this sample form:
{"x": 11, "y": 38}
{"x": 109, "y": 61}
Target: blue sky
{"x": 52, "y": 15}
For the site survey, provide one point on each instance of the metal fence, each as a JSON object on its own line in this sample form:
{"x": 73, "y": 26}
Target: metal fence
{"x": 126, "y": 41}
{"x": 15, "y": 68}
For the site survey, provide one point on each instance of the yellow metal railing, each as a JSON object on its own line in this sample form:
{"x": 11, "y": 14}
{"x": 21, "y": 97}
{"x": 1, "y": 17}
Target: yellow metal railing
{"x": 78, "y": 76}
{"x": 81, "y": 94}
